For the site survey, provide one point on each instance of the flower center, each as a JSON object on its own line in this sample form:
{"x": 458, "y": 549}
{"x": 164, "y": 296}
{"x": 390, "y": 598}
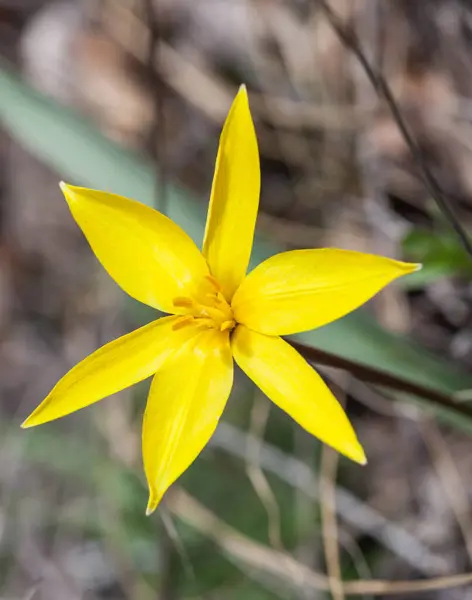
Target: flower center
{"x": 210, "y": 310}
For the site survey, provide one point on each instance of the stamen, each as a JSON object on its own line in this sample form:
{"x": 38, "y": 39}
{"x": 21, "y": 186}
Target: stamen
{"x": 183, "y": 302}
{"x": 203, "y": 324}
{"x": 210, "y": 311}
{"x": 227, "y": 325}
{"x": 182, "y": 322}
{"x": 214, "y": 282}
{"x": 213, "y": 296}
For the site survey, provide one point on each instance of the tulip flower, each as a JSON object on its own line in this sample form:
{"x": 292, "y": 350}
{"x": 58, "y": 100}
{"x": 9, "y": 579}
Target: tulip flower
{"x": 217, "y": 313}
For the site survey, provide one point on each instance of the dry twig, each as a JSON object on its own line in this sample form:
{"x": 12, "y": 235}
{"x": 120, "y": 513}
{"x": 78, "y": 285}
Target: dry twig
{"x": 329, "y": 464}
{"x": 349, "y": 39}
{"x": 244, "y": 551}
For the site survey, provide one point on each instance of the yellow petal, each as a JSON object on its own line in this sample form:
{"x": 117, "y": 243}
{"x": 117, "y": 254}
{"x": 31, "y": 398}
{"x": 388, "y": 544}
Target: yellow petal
{"x": 147, "y": 254}
{"x": 303, "y": 289}
{"x": 234, "y": 198}
{"x": 111, "y": 368}
{"x": 185, "y": 402}
{"x": 289, "y": 381}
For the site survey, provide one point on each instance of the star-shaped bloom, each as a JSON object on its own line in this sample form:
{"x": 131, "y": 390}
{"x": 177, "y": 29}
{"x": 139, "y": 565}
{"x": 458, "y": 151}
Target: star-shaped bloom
{"x": 218, "y": 313}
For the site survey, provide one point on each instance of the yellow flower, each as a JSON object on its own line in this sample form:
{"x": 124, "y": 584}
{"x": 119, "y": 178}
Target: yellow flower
{"x": 218, "y": 313}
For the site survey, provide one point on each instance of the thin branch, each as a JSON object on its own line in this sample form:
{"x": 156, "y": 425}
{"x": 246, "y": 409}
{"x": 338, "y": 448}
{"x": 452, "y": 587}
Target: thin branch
{"x": 258, "y": 422}
{"x": 329, "y": 467}
{"x": 157, "y": 135}
{"x": 372, "y": 375}
{"x": 350, "y": 40}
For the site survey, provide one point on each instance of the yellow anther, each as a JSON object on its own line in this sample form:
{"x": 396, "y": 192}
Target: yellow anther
{"x": 227, "y": 325}
{"x": 182, "y": 302}
{"x": 182, "y": 322}
{"x": 204, "y": 324}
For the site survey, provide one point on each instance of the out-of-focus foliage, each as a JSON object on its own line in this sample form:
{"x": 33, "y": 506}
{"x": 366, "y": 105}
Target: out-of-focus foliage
{"x": 440, "y": 251}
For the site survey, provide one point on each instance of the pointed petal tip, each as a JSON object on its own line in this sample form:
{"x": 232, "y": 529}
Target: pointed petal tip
{"x": 152, "y": 505}
{"x": 411, "y": 267}
{"x": 356, "y": 453}
{"x": 242, "y": 98}
{"x": 30, "y": 422}
{"x": 66, "y": 189}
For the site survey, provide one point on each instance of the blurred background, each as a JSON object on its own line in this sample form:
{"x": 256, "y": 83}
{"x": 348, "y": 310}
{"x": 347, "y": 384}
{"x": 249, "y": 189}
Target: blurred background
{"x": 130, "y": 96}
